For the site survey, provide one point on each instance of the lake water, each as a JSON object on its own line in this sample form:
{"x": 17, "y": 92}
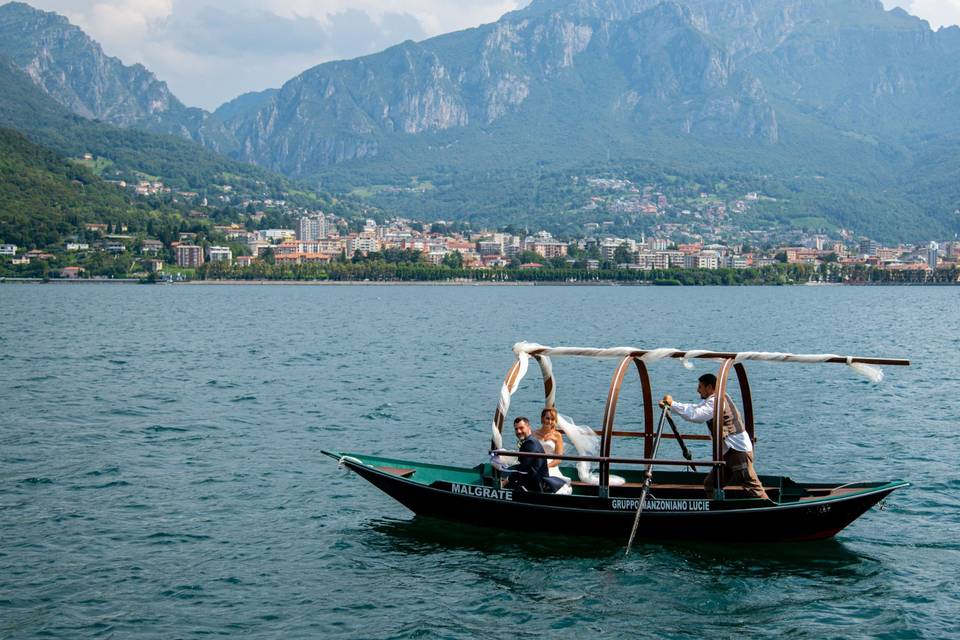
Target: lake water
{"x": 161, "y": 475}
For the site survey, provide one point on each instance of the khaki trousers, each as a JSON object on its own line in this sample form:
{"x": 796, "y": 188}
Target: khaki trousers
{"x": 738, "y": 470}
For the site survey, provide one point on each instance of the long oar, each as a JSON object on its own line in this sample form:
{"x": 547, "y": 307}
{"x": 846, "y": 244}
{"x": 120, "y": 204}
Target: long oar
{"x": 683, "y": 445}
{"x": 648, "y": 479}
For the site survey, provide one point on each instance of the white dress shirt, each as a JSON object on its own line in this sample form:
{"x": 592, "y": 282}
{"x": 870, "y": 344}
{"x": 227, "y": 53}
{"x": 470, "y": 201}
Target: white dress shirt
{"x": 703, "y": 411}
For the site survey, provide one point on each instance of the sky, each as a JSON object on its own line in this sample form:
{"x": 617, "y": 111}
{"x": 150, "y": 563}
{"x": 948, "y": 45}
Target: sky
{"x": 210, "y": 51}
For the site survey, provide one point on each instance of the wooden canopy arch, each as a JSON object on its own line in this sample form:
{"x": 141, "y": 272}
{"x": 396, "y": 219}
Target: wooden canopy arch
{"x": 607, "y": 433}
{"x": 641, "y": 358}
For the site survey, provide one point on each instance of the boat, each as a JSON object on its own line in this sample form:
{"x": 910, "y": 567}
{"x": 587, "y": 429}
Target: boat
{"x": 667, "y": 503}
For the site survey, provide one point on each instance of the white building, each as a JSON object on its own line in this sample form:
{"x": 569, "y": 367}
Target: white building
{"x": 220, "y": 254}
{"x": 8, "y": 249}
{"x": 490, "y": 248}
{"x": 362, "y": 245}
{"x": 312, "y": 227}
{"x": 668, "y": 260}
{"x": 933, "y": 250}
{"x": 702, "y": 260}
{"x": 436, "y": 257}
{"x": 276, "y": 235}
{"x": 645, "y": 260}
{"x": 151, "y": 246}
{"x": 258, "y": 247}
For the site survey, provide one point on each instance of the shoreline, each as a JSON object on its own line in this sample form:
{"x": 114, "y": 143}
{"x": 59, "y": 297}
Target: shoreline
{"x": 450, "y": 283}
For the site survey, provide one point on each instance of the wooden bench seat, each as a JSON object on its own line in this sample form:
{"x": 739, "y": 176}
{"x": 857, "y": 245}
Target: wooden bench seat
{"x": 403, "y": 473}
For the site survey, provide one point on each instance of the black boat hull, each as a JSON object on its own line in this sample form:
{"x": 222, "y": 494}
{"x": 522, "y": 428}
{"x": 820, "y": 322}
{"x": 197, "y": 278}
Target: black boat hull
{"x": 667, "y": 519}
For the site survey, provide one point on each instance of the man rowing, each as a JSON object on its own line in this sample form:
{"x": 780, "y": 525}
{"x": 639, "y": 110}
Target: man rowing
{"x": 737, "y": 447}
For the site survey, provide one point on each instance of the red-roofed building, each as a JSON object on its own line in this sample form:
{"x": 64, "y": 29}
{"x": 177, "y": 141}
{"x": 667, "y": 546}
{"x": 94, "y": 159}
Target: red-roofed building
{"x": 71, "y": 273}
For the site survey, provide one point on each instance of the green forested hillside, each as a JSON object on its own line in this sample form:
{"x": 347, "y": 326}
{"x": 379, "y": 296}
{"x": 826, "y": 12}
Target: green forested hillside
{"x": 131, "y": 154}
{"x": 45, "y": 198}
{"x": 182, "y": 163}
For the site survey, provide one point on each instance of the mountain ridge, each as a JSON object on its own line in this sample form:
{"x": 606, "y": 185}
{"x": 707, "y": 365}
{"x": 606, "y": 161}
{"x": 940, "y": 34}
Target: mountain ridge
{"x": 73, "y": 68}
{"x": 803, "y": 90}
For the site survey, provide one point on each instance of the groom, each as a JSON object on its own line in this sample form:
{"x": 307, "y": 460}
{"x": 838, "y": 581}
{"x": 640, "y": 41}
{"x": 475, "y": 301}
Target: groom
{"x": 531, "y": 473}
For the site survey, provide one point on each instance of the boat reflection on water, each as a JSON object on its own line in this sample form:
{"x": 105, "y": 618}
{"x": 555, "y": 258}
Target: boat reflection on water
{"x": 817, "y": 558}
{"x": 423, "y": 535}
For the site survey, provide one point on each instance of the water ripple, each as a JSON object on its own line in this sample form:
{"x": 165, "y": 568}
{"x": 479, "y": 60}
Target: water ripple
{"x": 171, "y": 485}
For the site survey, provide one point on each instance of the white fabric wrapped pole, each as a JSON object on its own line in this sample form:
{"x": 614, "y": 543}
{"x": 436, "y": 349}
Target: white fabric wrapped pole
{"x": 869, "y": 371}
{"x": 543, "y": 353}
{"x": 503, "y": 404}
{"x": 777, "y": 356}
{"x": 546, "y": 370}
{"x": 658, "y": 354}
{"x": 694, "y": 353}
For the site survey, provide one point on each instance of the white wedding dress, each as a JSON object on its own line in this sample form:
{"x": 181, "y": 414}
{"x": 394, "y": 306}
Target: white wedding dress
{"x": 549, "y": 448}
{"x": 587, "y": 443}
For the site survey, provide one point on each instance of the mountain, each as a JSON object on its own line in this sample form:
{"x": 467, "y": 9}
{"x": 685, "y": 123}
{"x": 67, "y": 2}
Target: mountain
{"x": 652, "y": 72}
{"x": 179, "y": 162}
{"x": 73, "y": 69}
{"x": 696, "y": 68}
{"x": 844, "y": 110}
{"x": 840, "y": 90}
{"x": 246, "y": 102}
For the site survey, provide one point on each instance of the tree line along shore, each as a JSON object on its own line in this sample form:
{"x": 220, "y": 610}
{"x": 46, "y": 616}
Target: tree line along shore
{"x": 779, "y": 274}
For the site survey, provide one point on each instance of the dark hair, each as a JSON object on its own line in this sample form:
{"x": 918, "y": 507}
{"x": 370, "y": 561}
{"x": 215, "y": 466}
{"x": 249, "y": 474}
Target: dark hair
{"x": 521, "y": 419}
{"x": 709, "y": 380}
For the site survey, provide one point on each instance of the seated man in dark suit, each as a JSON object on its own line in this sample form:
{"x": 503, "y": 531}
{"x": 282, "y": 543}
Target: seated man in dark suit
{"x": 531, "y": 473}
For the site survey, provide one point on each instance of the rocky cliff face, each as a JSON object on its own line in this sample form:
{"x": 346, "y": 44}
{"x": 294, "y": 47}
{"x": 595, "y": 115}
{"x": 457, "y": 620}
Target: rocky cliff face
{"x": 654, "y": 69}
{"x": 697, "y": 68}
{"x": 73, "y": 69}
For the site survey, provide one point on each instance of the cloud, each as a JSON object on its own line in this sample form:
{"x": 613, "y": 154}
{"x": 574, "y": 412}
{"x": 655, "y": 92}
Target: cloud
{"x": 208, "y": 29}
{"x": 938, "y": 13}
{"x": 210, "y": 51}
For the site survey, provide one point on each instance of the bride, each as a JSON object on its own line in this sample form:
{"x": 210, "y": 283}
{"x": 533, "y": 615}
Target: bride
{"x": 552, "y": 442}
